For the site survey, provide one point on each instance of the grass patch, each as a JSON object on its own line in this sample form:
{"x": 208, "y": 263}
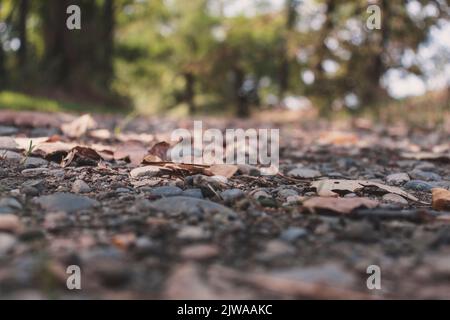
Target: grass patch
{"x": 21, "y": 101}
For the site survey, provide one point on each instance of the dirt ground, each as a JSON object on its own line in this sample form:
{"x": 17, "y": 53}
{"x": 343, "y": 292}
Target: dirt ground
{"x": 159, "y": 233}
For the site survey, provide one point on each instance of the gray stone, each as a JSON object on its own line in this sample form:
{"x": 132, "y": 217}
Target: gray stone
{"x": 10, "y": 155}
{"x": 194, "y": 193}
{"x": 425, "y": 166}
{"x": 79, "y": 186}
{"x": 8, "y": 143}
{"x": 418, "y": 185}
{"x": 231, "y": 195}
{"x": 293, "y": 233}
{"x": 260, "y": 194}
{"x": 122, "y": 190}
{"x": 192, "y": 233}
{"x": 166, "y": 191}
{"x": 65, "y": 202}
{"x": 147, "y": 171}
{"x": 424, "y": 175}
{"x": 248, "y": 170}
{"x": 33, "y": 162}
{"x": 395, "y": 198}
{"x": 177, "y": 205}
{"x": 285, "y": 193}
{"x": 34, "y": 172}
{"x": 11, "y": 203}
{"x": 7, "y": 242}
{"x": 7, "y": 130}
{"x": 397, "y": 178}
{"x": 304, "y": 173}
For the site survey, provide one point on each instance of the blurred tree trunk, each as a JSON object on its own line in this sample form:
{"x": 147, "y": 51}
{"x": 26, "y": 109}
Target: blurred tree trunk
{"x": 22, "y": 28}
{"x": 55, "y": 39}
{"x": 189, "y": 92}
{"x": 243, "y": 110}
{"x": 291, "y": 17}
{"x": 326, "y": 30}
{"x": 108, "y": 40}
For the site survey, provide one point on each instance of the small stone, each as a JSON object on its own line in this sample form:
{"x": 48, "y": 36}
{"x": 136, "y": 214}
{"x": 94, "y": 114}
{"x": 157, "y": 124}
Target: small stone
{"x": 397, "y": 178}
{"x": 8, "y": 143}
{"x": 425, "y": 166}
{"x": 7, "y": 242}
{"x": 147, "y": 171}
{"x": 418, "y": 185}
{"x": 79, "y": 186}
{"x": 199, "y": 252}
{"x": 192, "y": 233}
{"x": 248, "y": 170}
{"x": 285, "y": 193}
{"x": 7, "y": 130}
{"x": 293, "y": 199}
{"x": 10, "y": 155}
{"x": 11, "y": 203}
{"x": 231, "y": 195}
{"x": 178, "y": 205}
{"x": 34, "y": 172}
{"x": 291, "y": 234}
{"x": 32, "y": 162}
{"x": 395, "y": 198}
{"x": 304, "y": 173}
{"x": 122, "y": 190}
{"x": 424, "y": 175}
{"x": 10, "y": 223}
{"x": 276, "y": 249}
{"x": 260, "y": 194}
{"x": 65, "y": 202}
{"x": 194, "y": 193}
{"x": 166, "y": 191}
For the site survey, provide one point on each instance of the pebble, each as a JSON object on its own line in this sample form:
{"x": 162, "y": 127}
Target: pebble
{"x": 231, "y": 195}
{"x": 194, "y": 193}
{"x": 7, "y": 242}
{"x": 192, "y": 233}
{"x": 166, "y": 191}
{"x": 11, "y": 203}
{"x": 122, "y": 190}
{"x": 248, "y": 170}
{"x": 425, "y": 166}
{"x": 418, "y": 185}
{"x": 10, "y": 223}
{"x": 79, "y": 186}
{"x": 397, "y": 178}
{"x": 178, "y": 205}
{"x": 7, "y": 130}
{"x": 199, "y": 252}
{"x": 147, "y": 171}
{"x": 304, "y": 173}
{"x": 285, "y": 193}
{"x": 291, "y": 234}
{"x": 424, "y": 175}
{"x": 260, "y": 194}
{"x": 32, "y": 188}
{"x": 65, "y": 202}
{"x": 276, "y": 249}
{"x": 33, "y": 162}
{"x": 34, "y": 172}
{"x": 11, "y": 155}
{"x": 395, "y": 198}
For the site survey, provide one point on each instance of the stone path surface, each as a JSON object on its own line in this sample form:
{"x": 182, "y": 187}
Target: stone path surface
{"x": 146, "y": 230}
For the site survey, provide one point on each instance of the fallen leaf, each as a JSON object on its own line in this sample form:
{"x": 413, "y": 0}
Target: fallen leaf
{"x": 339, "y": 205}
{"x": 79, "y": 126}
{"x": 338, "y": 138}
{"x": 131, "y": 151}
{"x": 441, "y": 199}
{"x": 8, "y": 143}
{"x": 159, "y": 150}
{"x": 426, "y": 156}
{"x": 224, "y": 170}
{"x": 327, "y": 188}
{"x": 82, "y": 156}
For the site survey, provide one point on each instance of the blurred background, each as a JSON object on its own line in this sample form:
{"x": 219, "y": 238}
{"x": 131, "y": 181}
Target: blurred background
{"x": 233, "y": 57}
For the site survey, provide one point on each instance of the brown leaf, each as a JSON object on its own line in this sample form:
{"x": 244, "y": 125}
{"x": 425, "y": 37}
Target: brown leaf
{"x": 225, "y": 170}
{"x": 339, "y": 205}
{"x": 327, "y": 188}
{"x": 79, "y": 126}
{"x": 82, "y": 156}
{"x": 441, "y": 199}
{"x": 160, "y": 150}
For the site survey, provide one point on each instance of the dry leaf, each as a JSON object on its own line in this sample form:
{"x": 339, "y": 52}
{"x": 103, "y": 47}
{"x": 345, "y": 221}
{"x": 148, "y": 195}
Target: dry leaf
{"x": 82, "y": 156}
{"x": 426, "y": 156}
{"x": 441, "y": 199}
{"x": 131, "y": 151}
{"x": 159, "y": 150}
{"x": 339, "y": 205}
{"x": 79, "y": 126}
{"x": 327, "y": 188}
{"x": 225, "y": 170}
